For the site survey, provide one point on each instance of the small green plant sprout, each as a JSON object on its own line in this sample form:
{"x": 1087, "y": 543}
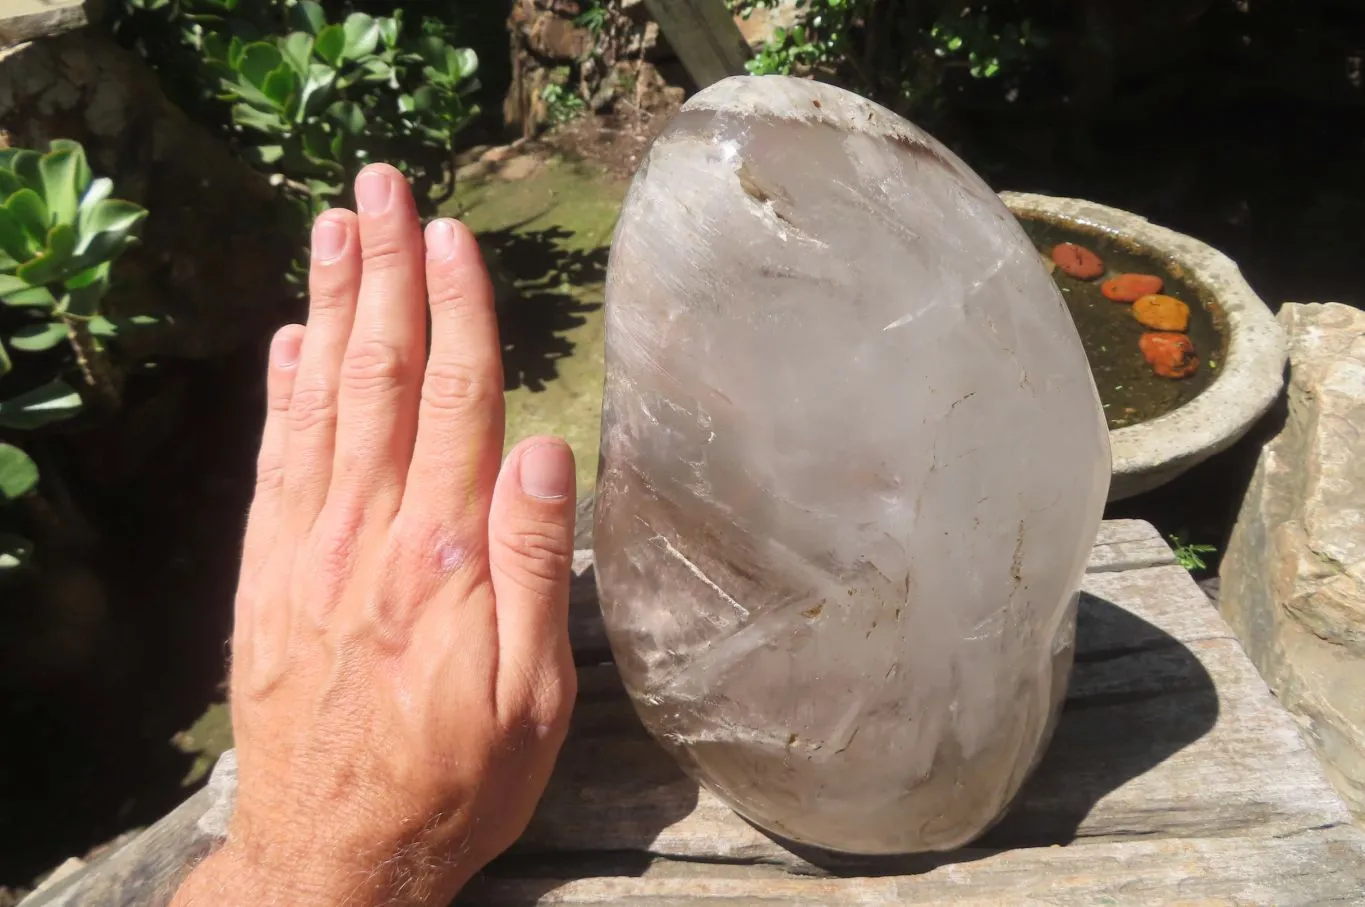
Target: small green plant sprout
{"x": 1188, "y": 555}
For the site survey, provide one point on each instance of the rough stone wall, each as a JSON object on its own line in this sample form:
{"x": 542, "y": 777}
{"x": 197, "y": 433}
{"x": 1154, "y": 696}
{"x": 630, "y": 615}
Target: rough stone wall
{"x": 218, "y": 241}
{"x": 1293, "y": 578}
{"x": 612, "y": 65}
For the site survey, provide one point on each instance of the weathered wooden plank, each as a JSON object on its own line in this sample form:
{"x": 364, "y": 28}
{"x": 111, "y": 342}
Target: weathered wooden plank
{"x": 1170, "y": 742}
{"x": 1168, "y": 731}
{"x": 1315, "y": 868}
{"x": 28, "y": 20}
{"x": 704, "y": 35}
{"x": 146, "y": 871}
{"x": 1128, "y": 545}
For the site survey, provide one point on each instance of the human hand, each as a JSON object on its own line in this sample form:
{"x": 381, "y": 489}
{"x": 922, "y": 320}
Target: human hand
{"x": 402, "y": 678}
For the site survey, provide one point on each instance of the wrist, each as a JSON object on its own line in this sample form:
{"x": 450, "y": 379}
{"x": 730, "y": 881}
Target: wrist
{"x": 314, "y": 875}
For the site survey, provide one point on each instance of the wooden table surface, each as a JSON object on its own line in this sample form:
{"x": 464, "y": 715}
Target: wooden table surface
{"x": 1174, "y": 778}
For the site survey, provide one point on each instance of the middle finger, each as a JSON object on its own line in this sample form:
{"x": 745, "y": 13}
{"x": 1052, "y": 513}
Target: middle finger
{"x": 381, "y": 374}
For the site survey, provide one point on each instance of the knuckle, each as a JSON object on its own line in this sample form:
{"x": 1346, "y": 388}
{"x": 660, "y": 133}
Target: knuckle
{"x": 383, "y": 251}
{"x": 372, "y": 364}
{"x": 269, "y": 476}
{"x": 311, "y": 406}
{"x": 450, "y": 385}
{"x": 536, "y": 555}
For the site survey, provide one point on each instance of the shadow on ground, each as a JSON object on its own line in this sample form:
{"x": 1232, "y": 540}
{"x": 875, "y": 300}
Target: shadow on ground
{"x": 535, "y": 320}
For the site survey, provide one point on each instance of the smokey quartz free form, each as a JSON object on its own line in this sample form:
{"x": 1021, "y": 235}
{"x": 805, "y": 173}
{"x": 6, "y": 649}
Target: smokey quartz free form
{"x": 853, "y": 463}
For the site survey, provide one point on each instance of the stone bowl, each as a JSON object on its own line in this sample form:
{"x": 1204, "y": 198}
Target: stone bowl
{"x": 1251, "y": 371}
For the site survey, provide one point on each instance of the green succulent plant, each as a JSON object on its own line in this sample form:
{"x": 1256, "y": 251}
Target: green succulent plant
{"x": 60, "y": 233}
{"x": 313, "y": 97}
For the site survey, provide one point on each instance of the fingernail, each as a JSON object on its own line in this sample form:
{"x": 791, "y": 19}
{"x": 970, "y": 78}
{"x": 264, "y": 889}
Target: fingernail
{"x": 329, "y": 239}
{"x": 373, "y": 188}
{"x": 440, "y": 235}
{"x": 284, "y": 348}
{"x": 547, "y": 471}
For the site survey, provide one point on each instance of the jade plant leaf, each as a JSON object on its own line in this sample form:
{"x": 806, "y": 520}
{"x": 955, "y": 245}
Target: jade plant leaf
{"x": 25, "y": 165}
{"x": 37, "y": 338}
{"x": 308, "y": 16}
{"x": 362, "y": 35}
{"x": 298, "y": 50}
{"x": 30, "y": 213}
{"x": 54, "y": 259}
{"x": 83, "y": 174}
{"x": 14, "y": 240}
{"x": 36, "y": 297}
{"x": 18, "y": 472}
{"x": 52, "y": 402}
{"x": 61, "y": 184}
{"x": 331, "y": 44}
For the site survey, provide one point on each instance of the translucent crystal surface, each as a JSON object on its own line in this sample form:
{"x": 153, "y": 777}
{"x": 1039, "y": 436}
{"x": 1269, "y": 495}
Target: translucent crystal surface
{"x": 853, "y": 463}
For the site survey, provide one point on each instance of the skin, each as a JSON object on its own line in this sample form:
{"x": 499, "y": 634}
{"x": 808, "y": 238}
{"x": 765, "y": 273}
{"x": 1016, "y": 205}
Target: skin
{"x": 401, "y": 679}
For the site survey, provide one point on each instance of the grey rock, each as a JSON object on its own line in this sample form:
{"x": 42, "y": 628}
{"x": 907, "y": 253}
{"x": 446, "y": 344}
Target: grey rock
{"x": 1293, "y": 578}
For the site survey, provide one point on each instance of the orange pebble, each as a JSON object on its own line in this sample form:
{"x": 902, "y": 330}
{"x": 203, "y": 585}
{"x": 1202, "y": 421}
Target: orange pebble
{"x": 1077, "y": 261}
{"x": 1131, "y": 287}
{"x": 1162, "y": 313}
{"x": 1169, "y": 355}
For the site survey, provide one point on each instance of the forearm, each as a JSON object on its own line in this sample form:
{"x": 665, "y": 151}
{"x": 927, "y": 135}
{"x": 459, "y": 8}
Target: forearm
{"x": 232, "y": 876}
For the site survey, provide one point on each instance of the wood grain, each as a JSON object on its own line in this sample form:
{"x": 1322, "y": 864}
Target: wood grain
{"x": 1314, "y": 869}
{"x": 704, "y": 36}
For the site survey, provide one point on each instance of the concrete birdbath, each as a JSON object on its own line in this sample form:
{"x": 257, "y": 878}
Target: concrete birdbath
{"x": 1161, "y": 426}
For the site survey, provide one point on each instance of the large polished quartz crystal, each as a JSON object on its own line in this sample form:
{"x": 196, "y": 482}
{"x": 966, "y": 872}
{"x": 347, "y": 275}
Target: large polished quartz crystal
{"x": 853, "y": 463}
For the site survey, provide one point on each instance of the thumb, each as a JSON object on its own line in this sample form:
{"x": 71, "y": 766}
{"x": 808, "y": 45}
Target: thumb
{"x": 530, "y": 558}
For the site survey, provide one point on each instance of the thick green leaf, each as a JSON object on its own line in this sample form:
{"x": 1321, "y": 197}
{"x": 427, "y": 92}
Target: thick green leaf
{"x": 61, "y": 184}
{"x": 261, "y": 120}
{"x": 109, "y": 328}
{"x": 14, "y": 240}
{"x": 279, "y": 86}
{"x": 112, "y": 215}
{"x": 259, "y": 60}
{"x": 25, "y": 165}
{"x": 264, "y": 154}
{"x": 432, "y": 50}
{"x": 298, "y": 50}
{"x": 236, "y": 48}
{"x": 362, "y": 35}
{"x": 6, "y": 366}
{"x": 317, "y": 92}
{"x": 308, "y": 16}
{"x": 33, "y": 297}
{"x": 37, "y": 338}
{"x": 331, "y": 44}
{"x": 30, "y": 213}
{"x": 53, "y": 262}
{"x": 83, "y": 174}
{"x": 461, "y": 63}
{"x": 18, "y": 472}
{"x": 10, "y": 183}
{"x": 348, "y": 116}
{"x": 10, "y": 283}
{"x": 388, "y": 30}
{"x": 99, "y": 190}
{"x": 85, "y": 291}
{"x": 7, "y": 156}
{"x": 52, "y": 402}
{"x": 215, "y": 47}
{"x": 15, "y": 551}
